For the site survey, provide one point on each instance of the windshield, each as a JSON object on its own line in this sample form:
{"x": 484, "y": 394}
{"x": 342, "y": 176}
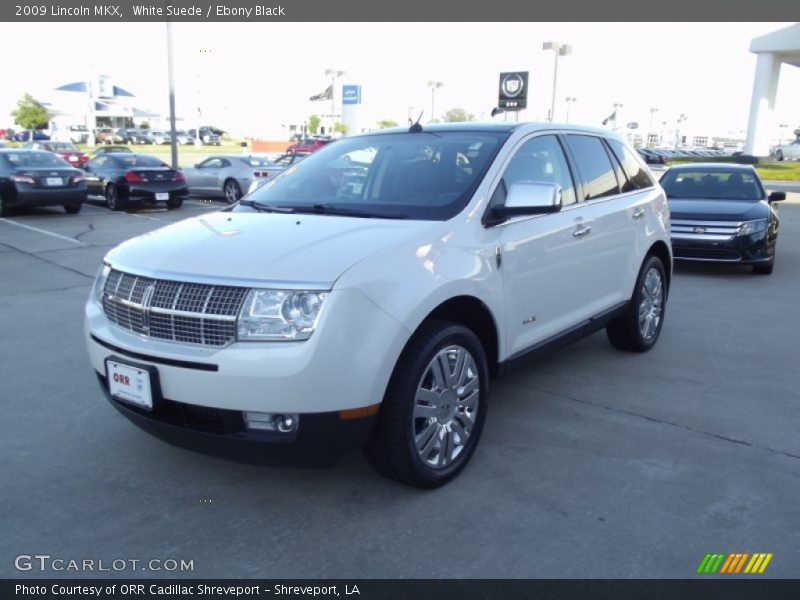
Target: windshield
{"x": 716, "y": 184}
{"x": 427, "y": 176}
{"x": 35, "y": 160}
{"x": 139, "y": 160}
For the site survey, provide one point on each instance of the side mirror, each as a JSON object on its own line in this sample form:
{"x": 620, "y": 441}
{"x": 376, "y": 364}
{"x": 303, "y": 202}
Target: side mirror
{"x": 530, "y": 198}
{"x": 777, "y": 196}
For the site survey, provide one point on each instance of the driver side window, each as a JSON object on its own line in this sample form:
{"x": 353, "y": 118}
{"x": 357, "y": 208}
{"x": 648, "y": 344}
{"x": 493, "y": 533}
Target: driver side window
{"x": 540, "y": 159}
{"x": 211, "y": 163}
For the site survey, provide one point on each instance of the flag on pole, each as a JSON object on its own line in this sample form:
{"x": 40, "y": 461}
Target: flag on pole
{"x": 326, "y": 95}
{"x": 611, "y": 117}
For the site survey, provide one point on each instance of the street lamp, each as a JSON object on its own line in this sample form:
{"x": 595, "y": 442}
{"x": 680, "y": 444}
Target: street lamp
{"x": 434, "y": 85}
{"x": 617, "y": 106}
{"x": 558, "y": 49}
{"x": 334, "y": 74}
{"x": 681, "y": 119}
{"x": 569, "y": 100}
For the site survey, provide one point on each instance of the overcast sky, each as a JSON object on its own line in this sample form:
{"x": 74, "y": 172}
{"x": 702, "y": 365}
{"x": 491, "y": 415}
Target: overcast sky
{"x": 255, "y": 76}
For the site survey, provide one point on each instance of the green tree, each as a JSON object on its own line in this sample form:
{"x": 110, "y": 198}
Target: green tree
{"x": 386, "y": 124}
{"x": 145, "y": 125}
{"x": 313, "y": 124}
{"x": 340, "y": 128}
{"x": 457, "y": 115}
{"x": 30, "y": 114}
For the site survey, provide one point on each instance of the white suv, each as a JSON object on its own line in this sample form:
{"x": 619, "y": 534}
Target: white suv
{"x": 366, "y": 295}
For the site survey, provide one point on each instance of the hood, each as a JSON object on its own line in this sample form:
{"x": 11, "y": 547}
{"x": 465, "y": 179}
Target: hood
{"x": 290, "y": 250}
{"x": 698, "y": 209}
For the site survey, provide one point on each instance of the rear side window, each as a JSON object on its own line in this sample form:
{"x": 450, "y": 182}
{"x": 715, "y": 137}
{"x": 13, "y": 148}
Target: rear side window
{"x": 638, "y": 177}
{"x": 594, "y": 166}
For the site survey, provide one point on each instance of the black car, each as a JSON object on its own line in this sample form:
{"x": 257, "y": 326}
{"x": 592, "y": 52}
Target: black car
{"x": 136, "y": 136}
{"x": 38, "y": 178}
{"x": 111, "y": 150}
{"x": 132, "y": 179}
{"x": 721, "y": 213}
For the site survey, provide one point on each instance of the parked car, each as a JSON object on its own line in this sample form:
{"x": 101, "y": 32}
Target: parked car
{"x": 207, "y": 137}
{"x": 650, "y": 157}
{"x": 127, "y": 180}
{"x": 183, "y": 138}
{"x": 25, "y": 136}
{"x": 274, "y": 167}
{"x": 76, "y": 134}
{"x": 111, "y": 150}
{"x": 66, "y": 150}
{"x": 138, "y": 136}
{"x": 160, "y": 137}
{"x": 721, "y": 213}
{"x": 229, "y": 175}
{"x": 789, "y": 151}
{"x": 307, "y": 145}
{"x": 38, "y": 178}
{"x": 369, "y": 305}
{"x": 106, "y": 135}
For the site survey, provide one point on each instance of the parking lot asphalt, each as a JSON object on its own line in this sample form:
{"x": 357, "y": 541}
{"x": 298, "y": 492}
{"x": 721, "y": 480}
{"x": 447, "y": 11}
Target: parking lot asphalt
{"x": 593, "y": 463}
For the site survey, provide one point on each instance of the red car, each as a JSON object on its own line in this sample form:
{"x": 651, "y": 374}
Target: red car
{"x": 307, "y": 145}
{"x": 66, "y": 150}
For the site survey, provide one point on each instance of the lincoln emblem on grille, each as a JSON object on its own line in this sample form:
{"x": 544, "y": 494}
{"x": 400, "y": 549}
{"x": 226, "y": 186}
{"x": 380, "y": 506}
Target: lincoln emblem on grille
{"x": 147, "y": 298}
{"x": 699, "y": 229}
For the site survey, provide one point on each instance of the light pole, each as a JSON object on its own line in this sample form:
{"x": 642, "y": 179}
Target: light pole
{"x": 334, "y": 75}
{"x": 617, "y": 106}
{"x": 170, "y": 74}
{"x": 569, "y": 100}
{"x": 681, "y": 119}
{"x": 653, "y": 111}
{"x": 558, "y": 49}
{"x": 434, "y": 85}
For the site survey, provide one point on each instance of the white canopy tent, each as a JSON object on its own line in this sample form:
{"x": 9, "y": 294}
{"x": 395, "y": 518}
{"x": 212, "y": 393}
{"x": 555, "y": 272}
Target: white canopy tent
{"x": 773, "y": 50}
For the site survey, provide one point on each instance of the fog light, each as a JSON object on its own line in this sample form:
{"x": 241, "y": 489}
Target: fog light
{"x": 282, "y": 423}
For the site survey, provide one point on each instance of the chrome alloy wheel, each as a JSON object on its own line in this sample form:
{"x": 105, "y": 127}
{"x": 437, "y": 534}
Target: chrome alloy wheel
{"x": 446, "y": 406}
{"x": 652, "y": 304}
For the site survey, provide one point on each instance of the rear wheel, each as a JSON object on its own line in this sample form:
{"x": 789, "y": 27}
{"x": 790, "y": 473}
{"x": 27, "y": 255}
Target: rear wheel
{"x": 174, "y": 203}
{"x": 112, "y": 197}
{"x": 434, "y": 409}
{"x": 638, "y": 329}
{"x": 233, "y": 192}
{"x": 72, "y": 209}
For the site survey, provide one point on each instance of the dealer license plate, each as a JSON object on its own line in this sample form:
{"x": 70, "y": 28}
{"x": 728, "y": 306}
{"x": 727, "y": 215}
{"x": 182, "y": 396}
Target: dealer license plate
{"x": 162, "y": 195}
{"x": 54, "y": 181}
{"x": 130, "y": 384}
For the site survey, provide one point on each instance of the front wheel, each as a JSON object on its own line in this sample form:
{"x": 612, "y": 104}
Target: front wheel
{"x": 638, "y": 329}
{"x": 434, "y": 408}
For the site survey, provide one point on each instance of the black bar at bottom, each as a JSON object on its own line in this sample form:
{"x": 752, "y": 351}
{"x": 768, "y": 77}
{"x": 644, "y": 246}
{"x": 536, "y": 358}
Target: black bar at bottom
{"x": 705, "y": 588}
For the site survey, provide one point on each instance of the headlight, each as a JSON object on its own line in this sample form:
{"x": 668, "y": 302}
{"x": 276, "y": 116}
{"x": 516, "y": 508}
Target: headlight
{"x": 751, "y": 227}
{"x": 100, "y": 282}
{"x": 279, "y": 315}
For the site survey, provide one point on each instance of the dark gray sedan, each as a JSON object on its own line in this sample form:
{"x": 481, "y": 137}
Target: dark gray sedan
{"x": 231, "y": 175}
{"x": 37, "y": 178}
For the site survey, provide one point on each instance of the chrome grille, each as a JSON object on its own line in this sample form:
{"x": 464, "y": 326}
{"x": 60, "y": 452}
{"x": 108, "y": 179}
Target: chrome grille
{"x": 192, "y": 313}
{"x": 715, "y": 231}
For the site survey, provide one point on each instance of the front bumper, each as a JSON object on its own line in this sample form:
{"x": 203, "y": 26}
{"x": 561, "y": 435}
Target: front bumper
{"x": 319, "y": 440}
{"x": 746, "y": 250}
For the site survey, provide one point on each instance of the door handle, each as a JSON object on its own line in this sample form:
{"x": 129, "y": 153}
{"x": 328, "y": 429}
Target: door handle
{"x": 582, "y": 231}
{"x": 638, "y": 213}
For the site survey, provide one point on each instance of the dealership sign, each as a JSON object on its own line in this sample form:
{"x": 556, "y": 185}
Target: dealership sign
{"x": 351, "y": 94}
{"x": 513, "y": 90}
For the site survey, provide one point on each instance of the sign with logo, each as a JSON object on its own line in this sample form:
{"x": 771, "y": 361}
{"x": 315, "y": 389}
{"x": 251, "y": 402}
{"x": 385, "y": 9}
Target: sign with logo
{"x": 513, "y": 90}
{"x": 351, "y": 94}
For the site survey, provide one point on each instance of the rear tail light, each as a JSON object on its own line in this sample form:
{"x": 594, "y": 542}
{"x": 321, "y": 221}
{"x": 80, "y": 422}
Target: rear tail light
{"x": 23, "y": 179}
{"x": 179, "y": 177}
{"x": 134, "y": 177}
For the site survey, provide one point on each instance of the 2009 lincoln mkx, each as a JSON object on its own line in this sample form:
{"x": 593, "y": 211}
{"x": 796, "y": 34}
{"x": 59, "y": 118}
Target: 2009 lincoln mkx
{"x": 366, "y": 296}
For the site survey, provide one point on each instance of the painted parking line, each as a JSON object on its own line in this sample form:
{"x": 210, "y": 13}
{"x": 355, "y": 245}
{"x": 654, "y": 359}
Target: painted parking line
{"x": 207, "y": 205}
{"x": 45, "y": 232}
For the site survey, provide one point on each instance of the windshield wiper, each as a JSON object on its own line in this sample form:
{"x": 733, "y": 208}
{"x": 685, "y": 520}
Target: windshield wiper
{"x": 265, "y": 207}
{"x": 323, "y": 208}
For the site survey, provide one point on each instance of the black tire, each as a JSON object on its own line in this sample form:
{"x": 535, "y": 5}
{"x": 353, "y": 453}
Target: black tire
{"x": 392, "y": 449}
{"x": 231, "y": 191}
{"x": 764, "y": 269}
{"x": 625, "y": 332}
{"x": 72, "y": 209}
{"x": 3, "y": 207}
{"x": 779, "y": 155}
{"x": 174, "y": 203}
{"x": 113, "y": 201}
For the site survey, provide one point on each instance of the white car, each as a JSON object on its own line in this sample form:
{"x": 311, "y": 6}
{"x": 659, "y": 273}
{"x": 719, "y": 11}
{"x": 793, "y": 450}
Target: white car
{"x": 366, "y": 295}
{"x": 790, "y": 151}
